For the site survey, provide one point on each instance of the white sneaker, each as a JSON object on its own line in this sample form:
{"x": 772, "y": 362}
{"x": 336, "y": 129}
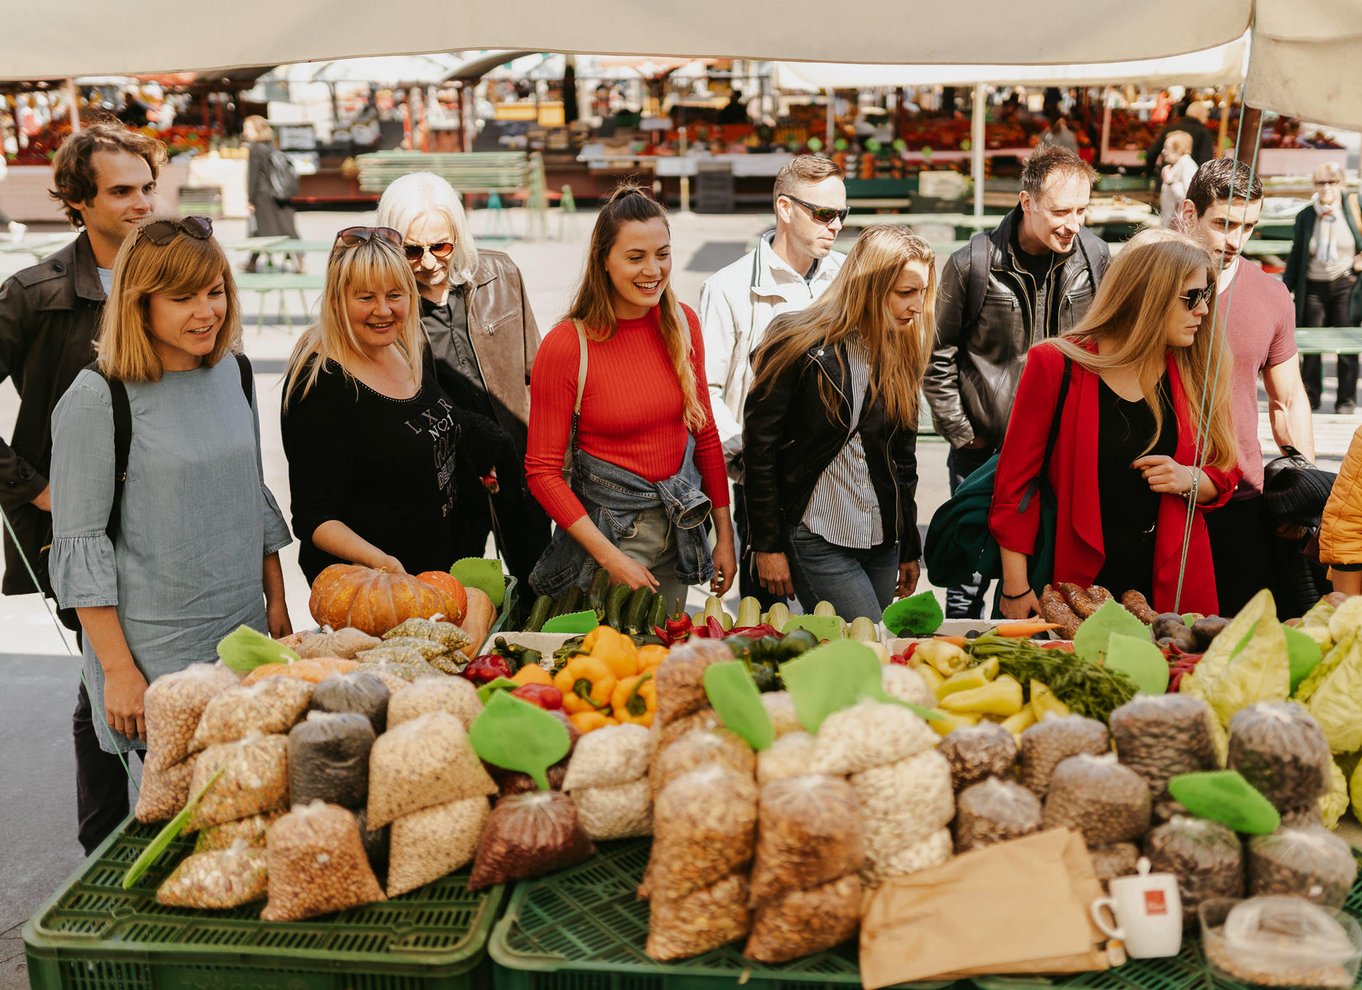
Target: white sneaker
{"x": 16, "y": 230}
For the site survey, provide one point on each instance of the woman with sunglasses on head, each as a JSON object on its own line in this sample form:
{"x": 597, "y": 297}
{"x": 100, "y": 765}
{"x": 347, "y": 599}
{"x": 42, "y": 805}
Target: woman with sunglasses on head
{"x": 482, "y": 336}
{"x": 374, "y": 445}
{"x": 162, "y": 565}
{"x": 619, "y": 391}
{"x": 830, "y": 432}
{"x": 1144, "y": 438}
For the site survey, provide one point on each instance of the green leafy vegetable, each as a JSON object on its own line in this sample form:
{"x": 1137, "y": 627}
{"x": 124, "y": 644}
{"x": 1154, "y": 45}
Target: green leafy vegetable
{"x": 1090, "y": 642}
{"x": 167, "y": 835}
{"x": 516, "y": 735}
{"x": 243, "y": 649}
{"x": 737, "y": 702}
{"x": 918, "y": 615}
{"x": 1303, "y": 654}
{"x": 493, "y": 686}
{"x": 478, "y": 572}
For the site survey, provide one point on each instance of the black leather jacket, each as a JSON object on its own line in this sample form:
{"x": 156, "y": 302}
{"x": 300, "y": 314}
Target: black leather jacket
{"x": 788, "y": 441}
{"x": 49, "y": 315}
{"x": 975, "y": 366}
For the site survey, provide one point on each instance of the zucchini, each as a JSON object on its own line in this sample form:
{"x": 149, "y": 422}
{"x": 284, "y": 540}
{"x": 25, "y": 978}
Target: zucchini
{"x": 614, "y": 605}
{"x": 600, "y": 586}
{"x": 863, "y": 630}
{"x": 749, "y": 612}
{"x": 637, "y": 610}
{"x": 714, "y": 609}
{"x": 568, "y": 601}
{"x": 725, "y": 620}
{"x": 543, "y": 605}
{"x": 778, "y": 616}
{"x": 825, "y": 608}
{"x": 657, "y": 615}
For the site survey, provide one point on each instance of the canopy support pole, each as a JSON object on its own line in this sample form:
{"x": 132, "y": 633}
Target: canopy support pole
{"x": 831, "y": 122}
{"x": 72, "y": 103}
{"x": 976, "y": 148}
{"x": 1106, "y": 123}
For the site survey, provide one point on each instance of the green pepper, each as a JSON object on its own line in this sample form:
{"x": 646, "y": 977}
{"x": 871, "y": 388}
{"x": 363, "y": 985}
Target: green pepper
{"x": 767, "y": 650}
{"x": 766, "y": 677}
{"x": 796, "y": 642}
{"x": 739, "y": 646}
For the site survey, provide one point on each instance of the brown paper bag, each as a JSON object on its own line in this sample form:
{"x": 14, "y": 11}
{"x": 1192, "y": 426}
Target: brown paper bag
{"x": 1015, "y": 907}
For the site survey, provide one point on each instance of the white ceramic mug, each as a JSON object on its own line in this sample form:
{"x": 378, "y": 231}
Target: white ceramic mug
{"x": 1148, "y": 913}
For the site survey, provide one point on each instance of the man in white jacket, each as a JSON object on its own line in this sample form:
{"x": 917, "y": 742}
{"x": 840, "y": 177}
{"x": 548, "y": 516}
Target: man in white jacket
{"x": 788, "y": 270}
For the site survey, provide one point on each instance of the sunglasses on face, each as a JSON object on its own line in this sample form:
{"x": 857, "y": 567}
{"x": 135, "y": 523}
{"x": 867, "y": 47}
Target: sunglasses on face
{"x": 162, "y": 232}
{"x": 821, "y": 214}
{"x": 1196, "y": 297}
{"x": 441, "y": 249}
{"x": 352, "y": 236}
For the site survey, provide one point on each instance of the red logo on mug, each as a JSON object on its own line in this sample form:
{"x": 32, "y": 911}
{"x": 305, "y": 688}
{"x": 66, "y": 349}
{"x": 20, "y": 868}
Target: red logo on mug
{"x": 1155, "y": 903}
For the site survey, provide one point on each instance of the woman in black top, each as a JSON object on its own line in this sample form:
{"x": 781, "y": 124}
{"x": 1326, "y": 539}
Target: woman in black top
{"x": 374, "y": 445}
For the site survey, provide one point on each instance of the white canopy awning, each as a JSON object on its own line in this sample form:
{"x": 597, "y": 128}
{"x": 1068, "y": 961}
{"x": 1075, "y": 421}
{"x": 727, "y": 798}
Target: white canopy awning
{"x": 1305, "y": 62}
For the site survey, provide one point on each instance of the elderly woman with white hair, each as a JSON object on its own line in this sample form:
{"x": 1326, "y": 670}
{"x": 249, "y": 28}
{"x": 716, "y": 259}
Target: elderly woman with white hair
{"x": 481, "y": 331}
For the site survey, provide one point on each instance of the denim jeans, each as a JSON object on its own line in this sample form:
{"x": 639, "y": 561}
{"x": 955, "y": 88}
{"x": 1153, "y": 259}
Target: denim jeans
{"x": 856, "y": 582}
{"x": 651, "y": 542}
{"x": 966, "y": 601}
{"x": 749, "y": 584}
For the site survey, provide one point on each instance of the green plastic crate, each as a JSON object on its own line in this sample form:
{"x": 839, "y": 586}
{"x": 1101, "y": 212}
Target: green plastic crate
{"x": 585, "y": 928}
{"x": 94, "y": 935}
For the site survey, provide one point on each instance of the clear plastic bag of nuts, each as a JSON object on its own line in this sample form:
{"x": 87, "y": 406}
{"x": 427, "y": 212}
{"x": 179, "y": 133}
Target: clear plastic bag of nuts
{"x": 251, "y": 830}
{"x": 270, "y": 707}
{"x": 317, "y": 864}
{"x": 218, "y": 879}
{"x": 1162, "y": 736}
{"x": 620, "y": 811}
{"x": 173, "y": 705}
{"x": 254, "y": 779}
{"x": 808, "y": 834}
{"x": 905, "y": 801}
{"x": 421, "y": 763}
{"x": 704, "y": 919}
{"x": 803, "y": 922}
{"x": 1205, "y": 856}
{"x": 994, "y": 811}
{"x": 528, "y": 835}
{"x": 704, "y": 829}
{"x": 609, "y": 757}
{"x": 433, "y": 842}
{"x": 1280, "y": 749}
{"x": 1047, "y": 744}
{"x": 1099, "y": 797}
{"x": 977, "y": 752}
{"x": 165, "y": 790}
{"x": 1309, "y": 862}
{"x": 703, "y": 748}
{"x": 681, "y": 678}
{"x": 870, "y": 734}
{"x": 790, "y": 755}
{"x": 455, "y": 695}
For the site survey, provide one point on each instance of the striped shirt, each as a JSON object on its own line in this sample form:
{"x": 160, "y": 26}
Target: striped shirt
{"x": 843, "y": 508}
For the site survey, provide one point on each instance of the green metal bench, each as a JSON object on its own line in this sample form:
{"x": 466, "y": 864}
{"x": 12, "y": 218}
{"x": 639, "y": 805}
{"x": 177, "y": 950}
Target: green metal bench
{"x": 1329, "y": 340}
{"x": 468, "y": 172}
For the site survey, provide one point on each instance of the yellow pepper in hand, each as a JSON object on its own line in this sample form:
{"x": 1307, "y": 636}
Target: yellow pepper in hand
{"x": 586, "y": 683}
{"x": 650, "y": 657}
{"x": 613, "y": 647}
{"x": 635, "y": 700}
{"x": 532, "y": 673}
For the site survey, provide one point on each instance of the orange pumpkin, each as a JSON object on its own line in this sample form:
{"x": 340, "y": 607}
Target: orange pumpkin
{"x": 451, "y": 586}
{"x": 373, "y": 601}
{"x": 478, "y": 621}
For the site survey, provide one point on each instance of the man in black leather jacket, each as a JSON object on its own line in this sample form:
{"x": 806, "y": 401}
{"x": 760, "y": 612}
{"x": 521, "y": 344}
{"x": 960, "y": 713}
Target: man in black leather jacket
{"x": 1031, "y": 277}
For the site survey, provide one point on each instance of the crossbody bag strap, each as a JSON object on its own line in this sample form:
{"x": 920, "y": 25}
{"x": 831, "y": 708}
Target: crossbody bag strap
{"x": 577, "y": 403}
{"x": 122, "y": 438}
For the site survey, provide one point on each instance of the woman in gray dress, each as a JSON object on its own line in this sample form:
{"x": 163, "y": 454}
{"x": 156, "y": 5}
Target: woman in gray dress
{"x": 196, "y": 534}
{"x": 270, "y": 217}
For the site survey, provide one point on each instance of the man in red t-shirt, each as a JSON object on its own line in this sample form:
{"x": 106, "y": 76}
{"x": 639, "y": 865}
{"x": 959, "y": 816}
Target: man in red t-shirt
{"x": 1224, "y": 200}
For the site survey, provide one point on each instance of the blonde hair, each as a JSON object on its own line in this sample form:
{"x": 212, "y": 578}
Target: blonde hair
{"x": 857, "y": 305}
{"x": 373, "y": 264}
{"x": 417, "y": 194}
{"x": 257, "y": 128}
{"x": 1131, "y": 311}
{"x": 143, "y": 269}
{"x": 594, "y": 304}
{"x": 1179, "y": 141}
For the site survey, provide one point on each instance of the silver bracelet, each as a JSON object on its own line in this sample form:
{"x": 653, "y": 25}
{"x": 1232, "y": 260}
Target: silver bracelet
{"x": 1191, "y": 493}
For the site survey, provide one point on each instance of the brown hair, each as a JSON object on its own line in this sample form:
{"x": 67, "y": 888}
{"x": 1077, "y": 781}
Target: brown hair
{"x": 73, "y": 173}
{"x": 856, "y": 305}
{"x": 594, "y": 304}
{"x": 143, "y": 269}
{"x": 1131, "y": 311}
{"x": 1047, "y": 160}
{"x": 1223, "y": 178}
{"x": 803, "y": 170}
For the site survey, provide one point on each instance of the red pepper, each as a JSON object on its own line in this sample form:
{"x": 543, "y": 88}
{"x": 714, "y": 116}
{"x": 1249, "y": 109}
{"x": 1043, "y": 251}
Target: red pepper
{"x": 678, "y": 629}
{"x": 546, "y": 696}
{"x": 755, "y": 632}
{"x": 488, "y": 667}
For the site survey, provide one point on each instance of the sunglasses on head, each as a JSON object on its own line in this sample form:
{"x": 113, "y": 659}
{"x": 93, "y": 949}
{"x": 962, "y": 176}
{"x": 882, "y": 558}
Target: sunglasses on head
{"x": 441, "y": 249}
{"x": 162, "y": 232}
{"x": 1196, "y": 297}
{"x": 821, "y": 214}
{"x": 351, "y": 236}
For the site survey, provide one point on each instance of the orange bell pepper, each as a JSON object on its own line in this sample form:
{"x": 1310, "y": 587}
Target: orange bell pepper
{"x": 615, "y": 648}
{"x": 532, "y": 673}
{"x": 650, "y": 657}
{"x": 586, "y": 683}
{"x": 585, "y": 722}
{"x": 635, "y": 700}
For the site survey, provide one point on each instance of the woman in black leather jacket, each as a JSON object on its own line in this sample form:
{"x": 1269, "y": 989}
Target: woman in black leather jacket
{"x": 830, "y": 432}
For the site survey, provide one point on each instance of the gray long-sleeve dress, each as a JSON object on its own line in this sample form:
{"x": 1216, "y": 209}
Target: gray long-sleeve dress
{"x": 196, "y": 519}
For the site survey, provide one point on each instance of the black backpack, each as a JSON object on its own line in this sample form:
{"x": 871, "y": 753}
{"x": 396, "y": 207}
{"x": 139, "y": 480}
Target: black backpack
{"x": 980, "y": 262}
{"x": 283, "y": 178}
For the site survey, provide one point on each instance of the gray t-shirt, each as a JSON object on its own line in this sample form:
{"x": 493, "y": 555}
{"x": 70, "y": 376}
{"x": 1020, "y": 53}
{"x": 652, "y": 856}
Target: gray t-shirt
{"x": 106, "y": 279}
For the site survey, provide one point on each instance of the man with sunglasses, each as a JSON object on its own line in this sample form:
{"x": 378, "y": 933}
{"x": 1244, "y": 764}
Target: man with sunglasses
{"x": 1030, "y": 278}
{"x": 1223, "y": 204}
{"x": 788, "y": 269}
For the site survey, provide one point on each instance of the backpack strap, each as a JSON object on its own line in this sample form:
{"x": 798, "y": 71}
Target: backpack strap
{"x": 1088, "y": 243}
{"x": 976, "y": 284}
{"x": 247, "y": 378}
{"x": 577, "y": 404}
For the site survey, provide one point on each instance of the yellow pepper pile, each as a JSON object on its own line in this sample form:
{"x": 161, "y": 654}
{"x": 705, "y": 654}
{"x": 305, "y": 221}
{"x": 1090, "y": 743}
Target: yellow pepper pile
{"x": 967, "y": 695}
{"x": 610, "y": 682}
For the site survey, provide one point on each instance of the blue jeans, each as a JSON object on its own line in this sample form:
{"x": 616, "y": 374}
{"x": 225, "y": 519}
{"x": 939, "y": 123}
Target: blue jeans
{"x": 856, "y": 582}
{"x": 651, "y": 541}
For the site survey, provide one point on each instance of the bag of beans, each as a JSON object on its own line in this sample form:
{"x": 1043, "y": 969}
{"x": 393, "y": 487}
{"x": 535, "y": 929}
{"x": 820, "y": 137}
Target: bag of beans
{"x": 994, "y": 811}
{"x": 1162, "y": 736}
{"x": 271, "y": 707}
{"x": 165, "y": 790}
{"x": 1099, "y": 797}
{"x": 358, "y": 692}
{"x": 455, "y": 695}
{"x": 1280, "y": 749}
{"x": 433, "y": 842}
{"x": 220, "y": 879}
{"x": 1309, "y": 862}
{"x": 1205, "y": 856}
{"x": 528, "y": 835}
{"x": 870, "y": 734}
{"x": 619, "y": 811}
{"x": 317, "y": 864}
{"x": 681, "y": 679}
{"x": 608, "y": 757}
{"x": 1047, "y": 744}
{"x": 328, "y": 758}
{"x": 251, "y": 830}
{"x": 702, "y": 748}
{"x": 808, "y": 834}
{"x": 421, "y": 763}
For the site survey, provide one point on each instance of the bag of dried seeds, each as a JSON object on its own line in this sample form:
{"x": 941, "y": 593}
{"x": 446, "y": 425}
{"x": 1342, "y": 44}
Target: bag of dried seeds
{"x": 1050, "y": 742}
{"x": 1162, "y": 736}
{"x": 455, "y": 695}
{"x": 219, "y": 879}
{"x": 703, "y": 748}
{"x": 1309, "y": 862}
{"x": 164, "y": 791}
{"x": 421, "y": 763}
{"x": 904, "y": 802}
{"x": 994, "y": 811}
{"x": 608, "y": 757}
{"x": 358, "y": 692}
{"x": 704, "y": 829}
{"x": 529, "y": 835}
{"x": 790, "y": 755}
{"x": 254, "y": 779}
{"x": 172, "y": 707}
{"x": 619, "y": 811}
{"x": 780, "y": 707}
{"x": 885, "y": 863}
{"x": 803, "y": 922}
{"x": 1280, "y": 749}
{"x": 679, "y": 928}
{"x": 1205, "y": 856}
{"x": 1099, "y": 797}
{"x": 328, "y": 759}
{"x": 808, "y": 834}
{"x": 681, "y": 678}
{"x": 271, "y": 707}
{"x": 1120, "y": 859}
{"x": 251, "y": 830}
{"x": 433, "y": 842}
{"x": 317, "y": 864}
{"x": 870, "y": 734}
{"x": 978, "y": 752}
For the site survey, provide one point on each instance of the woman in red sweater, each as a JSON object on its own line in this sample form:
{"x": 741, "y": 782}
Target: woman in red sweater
{"x": 646, "y": 469}
{"x": 1145, "y": 437}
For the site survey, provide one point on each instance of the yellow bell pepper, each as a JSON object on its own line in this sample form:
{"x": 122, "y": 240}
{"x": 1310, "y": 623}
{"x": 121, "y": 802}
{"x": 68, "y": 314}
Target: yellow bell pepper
{"x": 950, "y": 721}
{"x": 586, "y": 683}
{"x": 1044, "y": 702}
{"x": 613, "y": 647}
{"x": 1020, "y": 722}
{"x": 532, "y": 673}
{"x": 929, "y": 674}
{"x": 1002, "y": 697}
{"x": 968, "y": 680}
{"x": 947, "y": 658}
{"x": 635, "y": 700}
{"x": 650, "y": 657}
{"x": 585, "y": 722}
